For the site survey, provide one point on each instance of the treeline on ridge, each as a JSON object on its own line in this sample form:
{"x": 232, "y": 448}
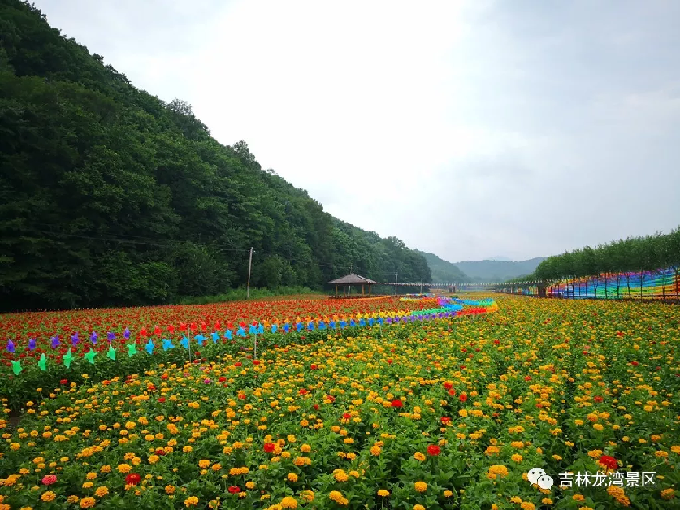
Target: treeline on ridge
{"x": 109, "y": 196}
{"x": 630, "y": 255}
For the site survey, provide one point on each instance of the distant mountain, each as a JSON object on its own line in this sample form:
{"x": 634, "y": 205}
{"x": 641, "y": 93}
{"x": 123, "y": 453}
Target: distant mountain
{"x": 499, "y": 259}
{"x": 442, "y": 270}
{"x": 497, "y": 270}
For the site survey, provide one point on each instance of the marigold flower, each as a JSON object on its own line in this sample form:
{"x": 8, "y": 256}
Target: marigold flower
{"x": 191, "y": 501}
{"x": 48, "y": 496}
{"x": 88, "y": 502}
{"x": 420, "y": 486}
{"x": 289, "y": 502}
{"x": 383, "y": 493}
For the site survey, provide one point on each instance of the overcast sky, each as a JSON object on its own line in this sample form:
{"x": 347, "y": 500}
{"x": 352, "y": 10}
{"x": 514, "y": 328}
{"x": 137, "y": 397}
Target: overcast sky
{"x": 481, "y": 128}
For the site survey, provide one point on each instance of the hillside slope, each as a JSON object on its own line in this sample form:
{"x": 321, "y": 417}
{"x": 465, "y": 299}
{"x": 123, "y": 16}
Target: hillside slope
{"x": 498, "y": 271}
{"x": 109, "y": 196}
{"x": 442, "y": 270}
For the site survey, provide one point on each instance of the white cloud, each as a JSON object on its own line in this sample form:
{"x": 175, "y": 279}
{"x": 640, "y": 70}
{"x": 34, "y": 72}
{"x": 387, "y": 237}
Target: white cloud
{"x": 477, "y": 128}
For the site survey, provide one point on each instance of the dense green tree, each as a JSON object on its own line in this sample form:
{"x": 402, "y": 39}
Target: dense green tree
{"x": 109, "y": 196}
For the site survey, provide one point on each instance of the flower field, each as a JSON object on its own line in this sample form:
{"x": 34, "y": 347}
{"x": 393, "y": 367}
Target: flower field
{"x": 452, "y": 412}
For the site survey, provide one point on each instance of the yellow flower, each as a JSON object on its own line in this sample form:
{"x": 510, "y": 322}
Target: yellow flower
{"x": 448, "y": 494}
{"x": 289, "y": 502}
{"x": 292, "y": 477}
{"x": 527, "y": 506}
{"x": 418, "y": 506}
{"x": 340, "y": 475}
{"x": 124, "y": 468}
{"x": 87, "y": 502}
{"x": 169, "y": 489}
{"x": 419, "y": 456}
{"x": 48, "y": 496}
{"x": 308, "y": 495}
{"x": 305, "y": 448}
{"x": 383, "y": 493}
{"x": 191, "y": 501}
{"x": 101, "y": 491}
{"x": 668, "y": 494}
{"x": 516, "y": 457}
{"x": 187, "y": 449}
{"x": 106, "y": 469}
{"x": 420, "y": 486}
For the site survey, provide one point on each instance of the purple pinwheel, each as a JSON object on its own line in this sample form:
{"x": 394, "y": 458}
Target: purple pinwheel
{"x": 93, "y": 337}
{"x": 55, "y": 341}
{"x": 31, "y": 344}
{"x": 10, "y": 346}
{"x": 75, "y": 339}
{"x": 110, "y": 336}
{"x": 127, "y": 334}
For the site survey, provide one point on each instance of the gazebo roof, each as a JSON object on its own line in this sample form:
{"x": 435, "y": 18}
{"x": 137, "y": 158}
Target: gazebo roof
{"x": 351, "y": 279}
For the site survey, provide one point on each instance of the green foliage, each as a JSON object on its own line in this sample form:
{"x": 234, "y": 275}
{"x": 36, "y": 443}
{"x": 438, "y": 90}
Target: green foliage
{"x": 109, "y": 196}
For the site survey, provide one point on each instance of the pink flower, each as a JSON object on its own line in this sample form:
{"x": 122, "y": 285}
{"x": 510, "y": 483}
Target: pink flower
{"x": 49, "y": 479}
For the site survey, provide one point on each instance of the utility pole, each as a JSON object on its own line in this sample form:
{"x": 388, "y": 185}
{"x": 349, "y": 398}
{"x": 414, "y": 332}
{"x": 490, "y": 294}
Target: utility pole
{"x": 395, "y": 283}
{"x": 250, "y": 263}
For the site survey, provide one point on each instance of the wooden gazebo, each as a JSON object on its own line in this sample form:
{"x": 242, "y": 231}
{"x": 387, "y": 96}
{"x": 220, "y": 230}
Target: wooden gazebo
{"x": 353, "y": 279}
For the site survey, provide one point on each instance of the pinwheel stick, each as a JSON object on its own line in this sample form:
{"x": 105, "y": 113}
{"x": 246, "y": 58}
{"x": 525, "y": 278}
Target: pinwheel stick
{"x": 255, "y": 348}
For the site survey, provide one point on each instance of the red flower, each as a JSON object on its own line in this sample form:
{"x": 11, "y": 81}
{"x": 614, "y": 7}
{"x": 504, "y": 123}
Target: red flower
{"x": 313, "y": 367}
{"x": 237, "y": 364}
{"x": 303, "y": 391}
{"x": 634, "y": 363}
{"x": 527, "y": 378}
{"x": 242, "y": 396}
{"x": 463, "y": 397}
{"x": 316, "y": 407}
{"x": 222, "y": 379}
{"x": 389, "y": 361}
{"x": 133, "y": 479}
{"x": 462, "y": 367}
{"x": 397, "y": 403}
{"x": 497, "y": 342}
{"x": 598, "y": 399}
{"x": 256, "y": 362}
{"x": 609, "y": 462}
{"x": 161, "y": 452}
{"x": 63, "y": 381}
{"x": 269, "y": 447}
{"x": 448, "y": 385}
{"x": 346, "y": 416}
{"x": 162, "y": 400}
{"x": 234, "y": 489}
{"x": 446, "y": 419}
{"x": 433, "y": 450}
{"x": 452, "y": 392}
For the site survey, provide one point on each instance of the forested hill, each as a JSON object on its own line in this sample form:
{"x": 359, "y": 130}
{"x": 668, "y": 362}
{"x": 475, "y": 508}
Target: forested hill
{"x": 498, "y": 270}
{"x": 109, "y": 196}
{"x": 443, "y": 271}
